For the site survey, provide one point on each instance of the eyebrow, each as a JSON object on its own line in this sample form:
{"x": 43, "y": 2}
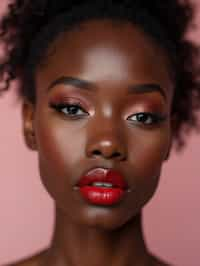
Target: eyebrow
{"x": 87, "y": 85}
{"x": 148, "y": 88}
{"x": 75, "y": 82}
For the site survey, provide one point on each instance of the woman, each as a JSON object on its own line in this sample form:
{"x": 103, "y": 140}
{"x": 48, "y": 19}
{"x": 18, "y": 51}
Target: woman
{"x": 106, "y": 86}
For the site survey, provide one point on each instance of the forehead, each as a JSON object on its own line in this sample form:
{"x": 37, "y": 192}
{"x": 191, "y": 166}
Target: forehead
{"x": 103, "y": 48}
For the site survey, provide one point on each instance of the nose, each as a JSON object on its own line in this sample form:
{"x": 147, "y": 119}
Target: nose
{"x": 107, "y": 145}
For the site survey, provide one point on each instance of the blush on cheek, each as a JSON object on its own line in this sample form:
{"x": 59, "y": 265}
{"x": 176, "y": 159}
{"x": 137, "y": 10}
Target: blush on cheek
{"x": 148, "y": 154}
{"x": 146, "y": 173}
{"x": 61, "y": 145}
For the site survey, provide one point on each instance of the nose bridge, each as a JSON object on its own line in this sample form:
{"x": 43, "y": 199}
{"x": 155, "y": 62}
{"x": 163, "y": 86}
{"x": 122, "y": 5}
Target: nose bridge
{"x": 106, "y": 138}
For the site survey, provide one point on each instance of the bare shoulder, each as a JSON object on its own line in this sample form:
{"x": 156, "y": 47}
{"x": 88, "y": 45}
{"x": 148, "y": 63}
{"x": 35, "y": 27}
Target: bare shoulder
{"x": 35, "y": 260}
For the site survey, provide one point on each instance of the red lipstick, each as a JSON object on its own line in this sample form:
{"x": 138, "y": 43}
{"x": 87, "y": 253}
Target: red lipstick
{"x": 102, "y": 186}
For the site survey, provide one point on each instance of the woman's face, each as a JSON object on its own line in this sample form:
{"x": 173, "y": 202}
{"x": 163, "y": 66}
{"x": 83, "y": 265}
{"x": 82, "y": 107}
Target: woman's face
{"x": 104, "y": 97}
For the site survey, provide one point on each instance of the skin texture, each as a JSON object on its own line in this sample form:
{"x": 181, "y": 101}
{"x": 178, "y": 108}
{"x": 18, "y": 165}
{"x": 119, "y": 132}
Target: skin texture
{"x": 116, "y": 60}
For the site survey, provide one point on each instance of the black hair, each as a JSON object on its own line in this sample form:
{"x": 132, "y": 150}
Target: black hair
{"x": 30, "y": 26}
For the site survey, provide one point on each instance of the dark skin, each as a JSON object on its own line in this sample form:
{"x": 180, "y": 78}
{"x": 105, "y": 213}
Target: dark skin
{"x": 113, "y": 72}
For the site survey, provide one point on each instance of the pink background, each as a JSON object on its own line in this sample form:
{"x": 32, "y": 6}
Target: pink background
{"x": 171, "y": 219}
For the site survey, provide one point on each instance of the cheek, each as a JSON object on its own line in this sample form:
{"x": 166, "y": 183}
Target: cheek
{"x": 149, "y": 148}
{"x": 60, "y": 150}
{"x": 146, "y": 157}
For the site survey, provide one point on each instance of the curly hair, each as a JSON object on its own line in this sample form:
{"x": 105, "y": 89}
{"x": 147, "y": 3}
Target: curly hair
{"x": 30, "y": 26}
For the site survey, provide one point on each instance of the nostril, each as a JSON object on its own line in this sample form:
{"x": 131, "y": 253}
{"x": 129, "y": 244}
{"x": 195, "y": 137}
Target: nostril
{"x": 96, "y": 152}
{"x": 116, "y": 154}
{"x": 107, "y": 149}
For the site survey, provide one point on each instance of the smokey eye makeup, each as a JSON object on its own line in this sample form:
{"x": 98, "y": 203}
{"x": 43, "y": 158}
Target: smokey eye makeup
{"x": 75, "y": 111}
{"x": 147, "y": 113}
{"x": 74, "y": 108}
{"x": 70, "y": 107}
{"x": 147, "y": 118}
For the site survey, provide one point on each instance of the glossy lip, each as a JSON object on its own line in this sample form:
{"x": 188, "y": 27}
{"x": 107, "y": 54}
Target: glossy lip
{"x": 103, "y": 175}
{"x": 103, "y": 196}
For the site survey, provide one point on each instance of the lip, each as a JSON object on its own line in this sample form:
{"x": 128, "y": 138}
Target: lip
{"x": 98, "y": 195}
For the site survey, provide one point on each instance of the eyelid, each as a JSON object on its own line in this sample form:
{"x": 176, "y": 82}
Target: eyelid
{"x": 152, "y": 112}
{"x": 70, "y": 100}
{"x": 157, "y": 118}
{"x": 146, "y": 113}
{"x": 66, "y": 104}
{"x": 59, "y": 108}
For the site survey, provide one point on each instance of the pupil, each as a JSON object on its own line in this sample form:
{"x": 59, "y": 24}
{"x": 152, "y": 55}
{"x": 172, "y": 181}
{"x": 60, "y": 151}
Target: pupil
{"x": 142, "y": 117}
{"x": 72, "y": 109}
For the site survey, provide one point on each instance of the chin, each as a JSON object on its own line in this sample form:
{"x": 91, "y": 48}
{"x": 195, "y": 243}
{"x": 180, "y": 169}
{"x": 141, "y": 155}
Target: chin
{"x": 105, "y": 218}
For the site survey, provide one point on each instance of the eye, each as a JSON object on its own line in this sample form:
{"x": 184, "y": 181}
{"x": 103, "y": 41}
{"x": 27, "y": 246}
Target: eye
{"x": 146, "y": 118}
{"x": 71, "y": 110}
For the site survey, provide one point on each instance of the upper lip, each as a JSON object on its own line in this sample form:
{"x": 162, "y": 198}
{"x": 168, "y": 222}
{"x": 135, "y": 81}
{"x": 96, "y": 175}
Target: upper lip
{"x": 100, "y": 174}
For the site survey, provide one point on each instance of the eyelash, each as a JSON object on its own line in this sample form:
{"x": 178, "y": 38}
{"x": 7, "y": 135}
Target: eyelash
{"x": 60, "y": 106}
{"x": 155, "y": 118}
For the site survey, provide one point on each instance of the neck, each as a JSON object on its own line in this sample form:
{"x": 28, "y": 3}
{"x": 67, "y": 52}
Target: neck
{"x": 75, "y": 245}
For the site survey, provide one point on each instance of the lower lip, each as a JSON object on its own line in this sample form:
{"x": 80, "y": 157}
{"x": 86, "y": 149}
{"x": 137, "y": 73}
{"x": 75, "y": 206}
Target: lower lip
{"x": 101, "y": 195}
